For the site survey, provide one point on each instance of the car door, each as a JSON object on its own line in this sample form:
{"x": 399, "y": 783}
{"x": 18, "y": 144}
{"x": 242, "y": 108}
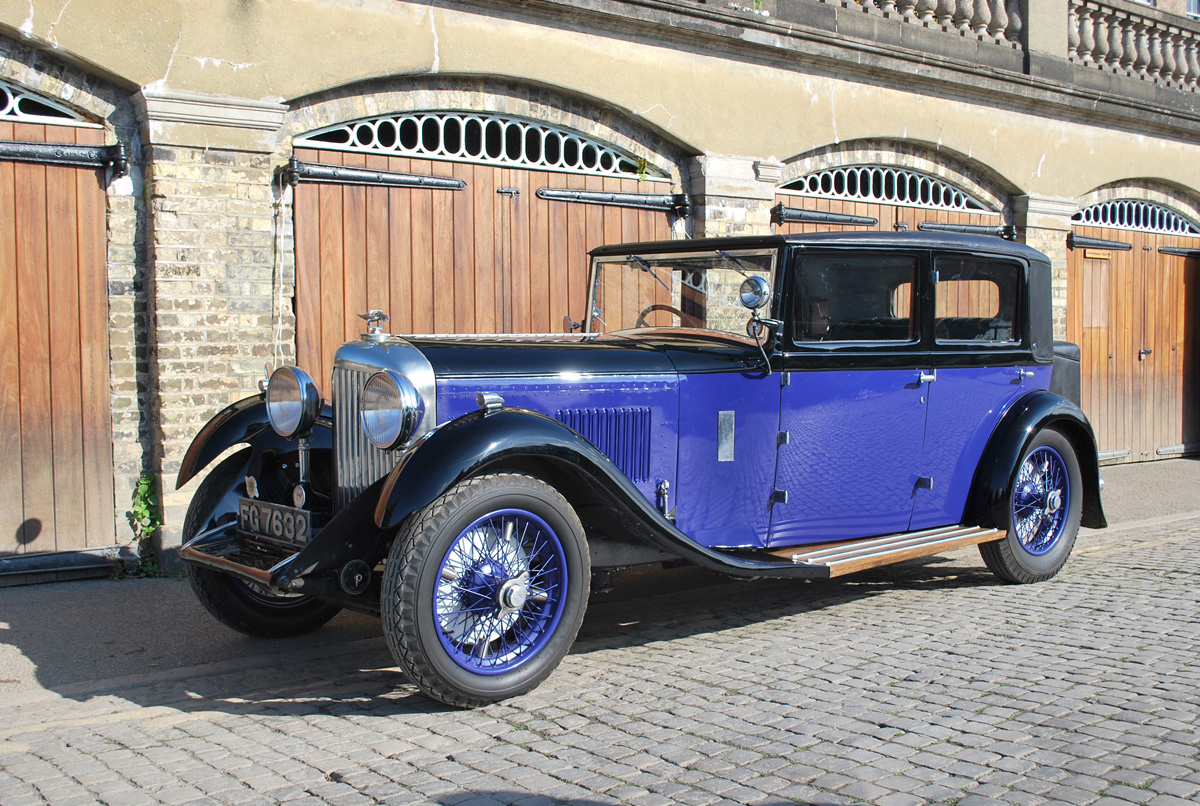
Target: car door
{"x": 853, "y": 404}
{"x": 982, "y": 366}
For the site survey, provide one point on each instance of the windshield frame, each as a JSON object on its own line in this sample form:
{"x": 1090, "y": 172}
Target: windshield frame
{"x": 655, "y": 257}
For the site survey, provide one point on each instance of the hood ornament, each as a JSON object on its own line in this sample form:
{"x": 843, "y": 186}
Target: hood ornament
{"x": 375, "y": 319}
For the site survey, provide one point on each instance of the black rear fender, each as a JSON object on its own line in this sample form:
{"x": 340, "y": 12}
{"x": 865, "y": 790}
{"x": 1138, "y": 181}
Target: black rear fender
{"x": 1032, "y": 413}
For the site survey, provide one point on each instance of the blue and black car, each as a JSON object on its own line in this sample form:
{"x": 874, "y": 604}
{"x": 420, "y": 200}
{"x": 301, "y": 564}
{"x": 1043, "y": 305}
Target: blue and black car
{"x": 800, "y": 406}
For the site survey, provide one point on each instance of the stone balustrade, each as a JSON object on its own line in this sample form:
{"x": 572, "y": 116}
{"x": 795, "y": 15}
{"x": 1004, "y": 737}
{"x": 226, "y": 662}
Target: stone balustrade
{"x": 997, "y": 21}
{"x": 1125, "y": 42}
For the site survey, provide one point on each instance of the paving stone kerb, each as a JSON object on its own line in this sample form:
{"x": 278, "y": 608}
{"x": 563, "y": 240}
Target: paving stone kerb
{"x": 928, "y": 682}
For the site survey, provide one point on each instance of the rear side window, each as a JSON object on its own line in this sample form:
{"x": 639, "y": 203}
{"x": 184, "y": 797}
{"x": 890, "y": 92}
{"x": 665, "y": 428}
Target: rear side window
{"x": 976, "y": 300}
{"x": 855, "y": 297}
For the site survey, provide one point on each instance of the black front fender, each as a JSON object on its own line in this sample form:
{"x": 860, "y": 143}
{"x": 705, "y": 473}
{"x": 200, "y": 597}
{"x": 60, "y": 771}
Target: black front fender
{"x": 245, "y": 421}
{"x": 1028, "y": 416}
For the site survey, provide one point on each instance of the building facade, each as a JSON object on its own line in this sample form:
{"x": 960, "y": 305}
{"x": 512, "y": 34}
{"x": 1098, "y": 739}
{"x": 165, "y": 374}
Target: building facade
{"x": 189, "y": 194}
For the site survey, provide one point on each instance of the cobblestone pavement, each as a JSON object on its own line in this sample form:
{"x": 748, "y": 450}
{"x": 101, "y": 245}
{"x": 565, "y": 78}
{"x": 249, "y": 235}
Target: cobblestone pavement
{"x": 928, "y": 682}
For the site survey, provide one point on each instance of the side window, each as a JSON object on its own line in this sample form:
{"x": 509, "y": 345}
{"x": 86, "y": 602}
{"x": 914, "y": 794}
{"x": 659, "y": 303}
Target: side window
{"x": 855, "y": 297}
{"x": 976, "y": 300}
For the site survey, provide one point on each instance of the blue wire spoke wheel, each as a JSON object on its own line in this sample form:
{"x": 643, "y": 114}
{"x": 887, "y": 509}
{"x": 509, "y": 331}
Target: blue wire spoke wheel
{"x": 1041, "y": 517}
{"x": 501, "y": 591}
{"x": 484, "y": 589}
{"x": 1041, "y": 500}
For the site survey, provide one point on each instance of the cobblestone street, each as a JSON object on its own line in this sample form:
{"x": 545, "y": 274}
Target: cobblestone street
{"x": 928, "y": 682}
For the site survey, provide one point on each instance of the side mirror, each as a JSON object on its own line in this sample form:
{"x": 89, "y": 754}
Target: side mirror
{"x": 755, "y": 292}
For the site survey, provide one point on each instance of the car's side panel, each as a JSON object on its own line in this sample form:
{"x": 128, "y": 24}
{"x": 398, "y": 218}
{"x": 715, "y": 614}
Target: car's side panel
{"x": 477, "y": 442}
{"x": 728, "y": 430}
{"x": 850, "y": 467}
{"x": 632, "y": 419}
{"x": 965, "y": 404}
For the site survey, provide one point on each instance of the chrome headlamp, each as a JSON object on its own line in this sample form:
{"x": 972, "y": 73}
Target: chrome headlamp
{"x": 391, "y": 409}
{"x": 293, "y": 402}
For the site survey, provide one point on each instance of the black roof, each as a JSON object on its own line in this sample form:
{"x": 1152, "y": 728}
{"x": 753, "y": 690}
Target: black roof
{"x": 893, "y": 240}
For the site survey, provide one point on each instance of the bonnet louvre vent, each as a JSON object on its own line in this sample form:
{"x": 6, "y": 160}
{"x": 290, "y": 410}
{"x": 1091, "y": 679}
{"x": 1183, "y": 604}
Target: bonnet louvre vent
{"x": 622, "y": 435}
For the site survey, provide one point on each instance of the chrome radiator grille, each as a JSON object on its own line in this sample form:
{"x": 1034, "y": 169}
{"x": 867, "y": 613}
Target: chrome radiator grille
{"x": 359, "y": 463}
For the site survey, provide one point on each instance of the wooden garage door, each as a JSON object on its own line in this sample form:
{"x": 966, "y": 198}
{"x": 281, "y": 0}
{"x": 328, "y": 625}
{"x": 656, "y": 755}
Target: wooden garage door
{"x": 1135, "y": 316}
{"x": 56, "y": 480}
{"x": 492, "y": 258}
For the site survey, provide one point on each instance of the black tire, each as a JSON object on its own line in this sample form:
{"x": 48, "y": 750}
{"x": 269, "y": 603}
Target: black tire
{"x": 255, "y": 610}
{"x": 1040, "y": 534}
{"x": 467, "y": 605}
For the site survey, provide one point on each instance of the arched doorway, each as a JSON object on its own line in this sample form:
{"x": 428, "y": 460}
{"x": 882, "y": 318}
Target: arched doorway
{"x": 457, "y": 222}
{"x": 56, "y": 486}
{"x": 1133, "y": 302}
{"x": 883, "y": 197}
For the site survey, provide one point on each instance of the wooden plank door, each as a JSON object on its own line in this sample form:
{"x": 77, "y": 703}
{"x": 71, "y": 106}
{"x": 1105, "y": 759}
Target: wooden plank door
{"x": 56, "y": 481}
{"x": 1132, "y": 313}
{"x": 493, "y": 258}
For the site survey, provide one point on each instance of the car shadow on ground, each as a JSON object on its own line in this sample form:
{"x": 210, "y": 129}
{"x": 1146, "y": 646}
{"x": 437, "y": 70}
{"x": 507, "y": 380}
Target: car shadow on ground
{"x": 150, "y": 643}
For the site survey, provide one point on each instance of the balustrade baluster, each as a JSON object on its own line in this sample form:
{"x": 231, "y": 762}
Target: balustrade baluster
{"x": 1015, "y": 23}
{"x": 925, "y": 9}
{"x": 981, "y": 17}
{"x": 905, "y": 7}
{"x": 945, "y": 13}
{"x": 888, "y": 7}
{"x": 1169, "y": 66}
{"x": 1142, "y": 48}
{"x": 1100, "y": 36}
{"x": 1087, "y": 39}
{"x": 1116, "y": 41}
{"x": 999, "y": 21}
{"x": 1193, "y": 62}
{"x": 1073, "y": 30}
{"x": 1181, "y": 39}
{"x": 963, "y": 11}
{"x": 1154, "y": 67}
{"x": 1128, "y": 45}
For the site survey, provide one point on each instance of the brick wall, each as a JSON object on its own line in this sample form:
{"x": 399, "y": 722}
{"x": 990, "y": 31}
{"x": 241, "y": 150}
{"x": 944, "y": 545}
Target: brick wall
{"x": 213, "y": 292}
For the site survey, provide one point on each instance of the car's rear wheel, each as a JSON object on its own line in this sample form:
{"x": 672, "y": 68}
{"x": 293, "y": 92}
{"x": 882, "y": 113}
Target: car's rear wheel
{"x": 1044, "y": 506}
{"x": 252, "y": 609}
{"x": 485, "y": 589}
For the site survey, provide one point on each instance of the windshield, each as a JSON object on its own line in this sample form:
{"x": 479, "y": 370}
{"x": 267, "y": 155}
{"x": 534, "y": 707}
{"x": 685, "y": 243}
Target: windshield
{"x": 692, "y": 290}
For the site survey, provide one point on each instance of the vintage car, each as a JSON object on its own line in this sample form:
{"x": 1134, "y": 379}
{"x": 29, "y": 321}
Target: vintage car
{"x": 801, "y": 406}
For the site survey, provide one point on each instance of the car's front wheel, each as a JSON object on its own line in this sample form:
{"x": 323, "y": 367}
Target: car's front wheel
{"x": 249, "y": 608}
{"x": 1045, "y": 500}
{"x": 485, "y": 589}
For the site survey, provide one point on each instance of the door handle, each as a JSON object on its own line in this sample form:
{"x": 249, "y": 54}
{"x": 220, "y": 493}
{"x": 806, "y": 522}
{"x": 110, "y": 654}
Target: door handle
{"x": 928, "y": 377}
{"x": 1142, "y": 353}
{"x": 1024, "y": 373}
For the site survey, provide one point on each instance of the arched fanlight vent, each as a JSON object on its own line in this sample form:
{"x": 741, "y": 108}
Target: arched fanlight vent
{"x": 884, "y": 185}
{"x": 1141, "y": 216}
{"x": 18, "y": 105}
{"x": 478, "y": 138}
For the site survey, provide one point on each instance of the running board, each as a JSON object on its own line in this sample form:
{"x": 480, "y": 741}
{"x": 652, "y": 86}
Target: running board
{"x": 848, "y": 556}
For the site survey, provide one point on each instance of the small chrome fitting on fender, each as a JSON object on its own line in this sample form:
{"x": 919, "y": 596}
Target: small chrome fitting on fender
{"x": 490, "y": 402}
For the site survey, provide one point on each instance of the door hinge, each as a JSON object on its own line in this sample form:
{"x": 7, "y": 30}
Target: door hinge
{"x": 924, "y": 483}
{"x": 784, "y": 438}
{"x": 779, "y": 497}
{"x": 785, "y": 378}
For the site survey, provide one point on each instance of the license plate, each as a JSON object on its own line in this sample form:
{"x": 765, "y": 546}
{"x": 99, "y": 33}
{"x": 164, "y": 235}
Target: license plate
{"x": 274, "y": 521}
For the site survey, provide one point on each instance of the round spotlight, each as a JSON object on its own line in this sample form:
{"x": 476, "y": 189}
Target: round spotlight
{"x": 293, "y": 402}
{"x": 391, "y": 409}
